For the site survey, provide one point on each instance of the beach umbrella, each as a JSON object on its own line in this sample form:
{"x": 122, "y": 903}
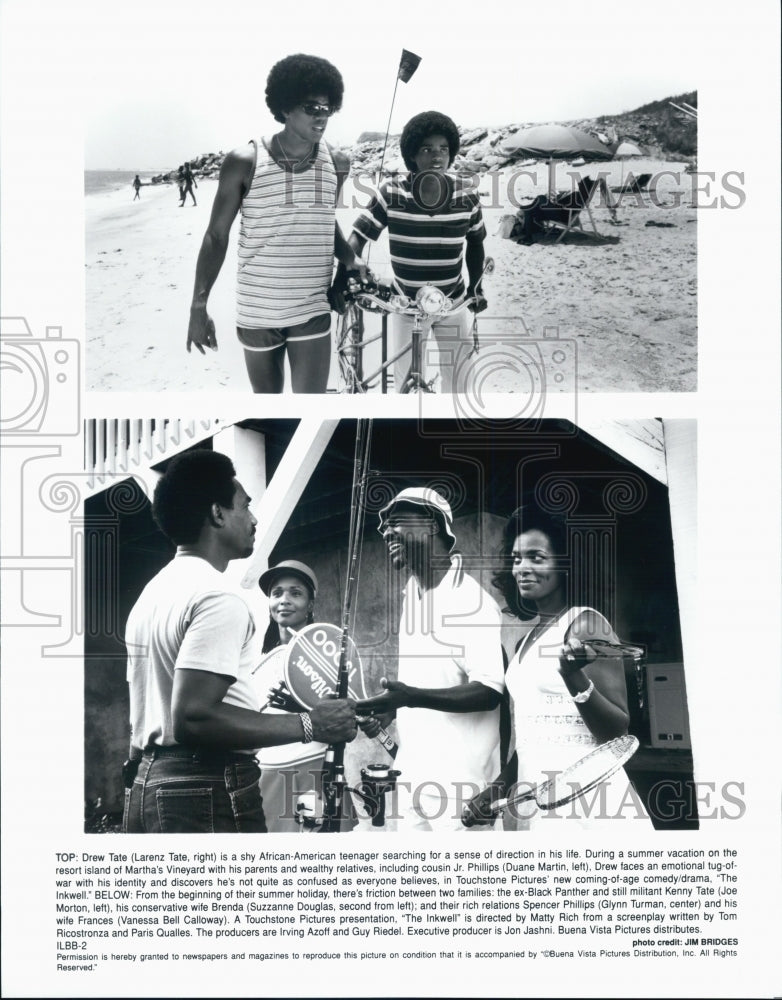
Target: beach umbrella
{"x": 627, "y": 149}
{"x": 556, "y": 142}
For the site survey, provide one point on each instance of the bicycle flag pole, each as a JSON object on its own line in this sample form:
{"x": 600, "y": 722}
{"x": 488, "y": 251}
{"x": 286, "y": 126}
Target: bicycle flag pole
{"x": 408, "y": 64}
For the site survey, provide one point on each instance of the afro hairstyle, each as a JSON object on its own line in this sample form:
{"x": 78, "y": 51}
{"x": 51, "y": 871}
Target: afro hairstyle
{"x": 420, "y": 128}
{"x": 299, "y": 77}
{"x": 184, "y": 494}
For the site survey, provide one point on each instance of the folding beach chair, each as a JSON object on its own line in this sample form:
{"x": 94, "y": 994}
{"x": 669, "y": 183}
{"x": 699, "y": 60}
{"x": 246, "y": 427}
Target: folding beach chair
{"x": 564, "y": 212}
{"x": 559, "y": 216}
{"x": 634, "y": 184}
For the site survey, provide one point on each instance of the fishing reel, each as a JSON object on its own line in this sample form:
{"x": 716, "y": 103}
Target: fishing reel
{"x": 309, "y": 811}
{"x": 377, "y": 779}
{"x": 308, "y": 815}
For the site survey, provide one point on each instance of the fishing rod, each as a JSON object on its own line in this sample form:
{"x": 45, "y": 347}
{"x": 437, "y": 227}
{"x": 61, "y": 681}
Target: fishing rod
{"x": 334, "y": 761}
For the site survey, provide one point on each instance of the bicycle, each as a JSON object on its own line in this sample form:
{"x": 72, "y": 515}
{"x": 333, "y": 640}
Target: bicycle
{"x": 429, "y": 305}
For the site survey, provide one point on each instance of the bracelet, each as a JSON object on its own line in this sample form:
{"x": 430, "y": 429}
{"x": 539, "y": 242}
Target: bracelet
{"x": 583, "y": 696}
{"x": 306, "y": 725}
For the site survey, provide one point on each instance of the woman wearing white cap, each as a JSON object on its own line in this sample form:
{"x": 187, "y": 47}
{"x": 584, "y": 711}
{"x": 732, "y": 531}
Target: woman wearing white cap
{"x": 287, "y": 772}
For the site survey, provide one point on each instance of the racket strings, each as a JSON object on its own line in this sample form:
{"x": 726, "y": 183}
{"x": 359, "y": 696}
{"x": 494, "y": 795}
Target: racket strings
{"x": 585, "y": 774}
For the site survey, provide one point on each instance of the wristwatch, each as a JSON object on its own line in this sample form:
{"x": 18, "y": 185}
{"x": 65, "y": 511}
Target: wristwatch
{"x": 583, "y": 696}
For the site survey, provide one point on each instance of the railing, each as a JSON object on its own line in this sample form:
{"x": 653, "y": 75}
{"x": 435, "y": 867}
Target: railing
{"x": 117, "y": 448}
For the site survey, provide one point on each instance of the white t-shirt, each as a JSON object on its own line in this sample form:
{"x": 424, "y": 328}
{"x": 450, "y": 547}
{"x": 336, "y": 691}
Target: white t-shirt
{"x": 185, "y": 618}
{"x": 447, "y": 637}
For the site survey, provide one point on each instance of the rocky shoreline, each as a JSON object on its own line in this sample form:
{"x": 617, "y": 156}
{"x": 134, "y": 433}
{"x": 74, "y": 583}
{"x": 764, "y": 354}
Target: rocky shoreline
{"x": 663, "y": 132}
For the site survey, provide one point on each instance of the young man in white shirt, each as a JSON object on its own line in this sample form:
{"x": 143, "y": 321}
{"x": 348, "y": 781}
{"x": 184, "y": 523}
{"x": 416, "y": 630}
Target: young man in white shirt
{"x": 194, "y": 712}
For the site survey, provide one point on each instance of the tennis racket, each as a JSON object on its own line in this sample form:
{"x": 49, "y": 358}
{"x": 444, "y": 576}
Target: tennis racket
{"x": 570, "y": 784}
{"x": 311, "y": 666}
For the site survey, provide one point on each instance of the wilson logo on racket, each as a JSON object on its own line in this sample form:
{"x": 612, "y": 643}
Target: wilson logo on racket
{"x": 312, "y": 664}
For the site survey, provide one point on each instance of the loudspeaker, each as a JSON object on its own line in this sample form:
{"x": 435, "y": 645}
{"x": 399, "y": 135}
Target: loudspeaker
{"x": 668, "y": 721}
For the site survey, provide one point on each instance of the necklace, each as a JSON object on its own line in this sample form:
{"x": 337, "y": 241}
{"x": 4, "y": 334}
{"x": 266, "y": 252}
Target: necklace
{"x": 289, "y": 159}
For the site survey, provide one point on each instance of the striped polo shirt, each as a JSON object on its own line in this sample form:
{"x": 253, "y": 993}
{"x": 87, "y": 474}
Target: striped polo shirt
{"x": 427, "y": 247}
{"x": 286, "y": 242}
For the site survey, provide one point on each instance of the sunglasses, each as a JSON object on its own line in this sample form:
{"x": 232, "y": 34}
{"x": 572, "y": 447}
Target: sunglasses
{"x": 312, "y": 109}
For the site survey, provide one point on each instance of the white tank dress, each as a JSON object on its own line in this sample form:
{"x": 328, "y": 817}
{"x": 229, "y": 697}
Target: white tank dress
{"x": 549, "y": 736}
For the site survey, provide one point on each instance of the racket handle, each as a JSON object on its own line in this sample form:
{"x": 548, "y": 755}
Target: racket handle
{"x": 498, "y": 806}
{"x": 469, "y": 818}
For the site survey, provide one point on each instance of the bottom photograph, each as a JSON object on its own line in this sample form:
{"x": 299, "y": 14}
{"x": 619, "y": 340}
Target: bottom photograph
{"x": 388, "y": 626}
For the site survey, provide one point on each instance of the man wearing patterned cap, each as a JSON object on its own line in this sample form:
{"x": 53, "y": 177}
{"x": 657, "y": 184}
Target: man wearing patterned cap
{"x": 450, "y": 678}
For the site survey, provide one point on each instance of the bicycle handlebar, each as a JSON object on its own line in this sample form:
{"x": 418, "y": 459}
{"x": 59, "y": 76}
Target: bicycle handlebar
{"x": 376, "y": 297}
{"x": 404, "y": 306}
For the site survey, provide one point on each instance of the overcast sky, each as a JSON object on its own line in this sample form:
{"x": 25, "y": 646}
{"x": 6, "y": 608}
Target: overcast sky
{"x": 158, "y": 82}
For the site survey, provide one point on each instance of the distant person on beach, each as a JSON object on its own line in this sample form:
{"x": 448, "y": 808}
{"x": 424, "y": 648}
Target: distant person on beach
{"x": 187, "y": 185}
{"x": 434, "y": 225}
{"x": 286, "y": 187}
{"x": 180, "y": 179}
{"x": 137, "y": 186}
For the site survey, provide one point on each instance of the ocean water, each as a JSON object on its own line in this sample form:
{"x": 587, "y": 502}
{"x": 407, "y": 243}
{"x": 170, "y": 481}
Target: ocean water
{"x": 98, "y": 181}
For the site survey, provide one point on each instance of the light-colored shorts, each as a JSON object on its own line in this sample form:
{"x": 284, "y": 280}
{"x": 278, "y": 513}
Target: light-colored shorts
{"x": 268, "y": 339}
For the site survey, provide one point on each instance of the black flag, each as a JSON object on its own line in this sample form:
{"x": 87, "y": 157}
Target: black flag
{"x": 408, "y": 64}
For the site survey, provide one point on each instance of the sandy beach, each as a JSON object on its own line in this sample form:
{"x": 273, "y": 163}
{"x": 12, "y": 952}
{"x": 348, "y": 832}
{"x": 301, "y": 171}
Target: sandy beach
{"x": 624, "y": 311}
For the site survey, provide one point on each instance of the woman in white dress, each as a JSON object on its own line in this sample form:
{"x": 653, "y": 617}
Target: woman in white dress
{"x": 566, "y": 695}
{"x": 291, "y": 771}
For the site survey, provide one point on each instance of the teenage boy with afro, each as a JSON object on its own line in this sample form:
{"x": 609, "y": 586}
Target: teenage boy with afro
{"x": 434, "y": 224}
{"x": 286, "y": 187}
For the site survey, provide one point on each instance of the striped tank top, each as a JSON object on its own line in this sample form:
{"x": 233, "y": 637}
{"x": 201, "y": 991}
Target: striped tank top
{"x": 286, "y": 242}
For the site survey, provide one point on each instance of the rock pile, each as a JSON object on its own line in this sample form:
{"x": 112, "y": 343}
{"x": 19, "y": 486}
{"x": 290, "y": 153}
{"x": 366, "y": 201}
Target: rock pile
{"x": 481, "y": 149}
{"x": 205, "y": 165}
{"x": 663, "y": 132}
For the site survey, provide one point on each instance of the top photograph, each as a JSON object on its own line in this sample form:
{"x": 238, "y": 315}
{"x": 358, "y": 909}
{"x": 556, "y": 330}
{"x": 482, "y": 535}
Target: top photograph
{"x": 396, "y": 228}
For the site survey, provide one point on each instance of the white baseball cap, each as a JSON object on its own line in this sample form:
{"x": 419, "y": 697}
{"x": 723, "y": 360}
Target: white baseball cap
{"x": 423, "y": 496}
{"x": 289, "y": 566}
